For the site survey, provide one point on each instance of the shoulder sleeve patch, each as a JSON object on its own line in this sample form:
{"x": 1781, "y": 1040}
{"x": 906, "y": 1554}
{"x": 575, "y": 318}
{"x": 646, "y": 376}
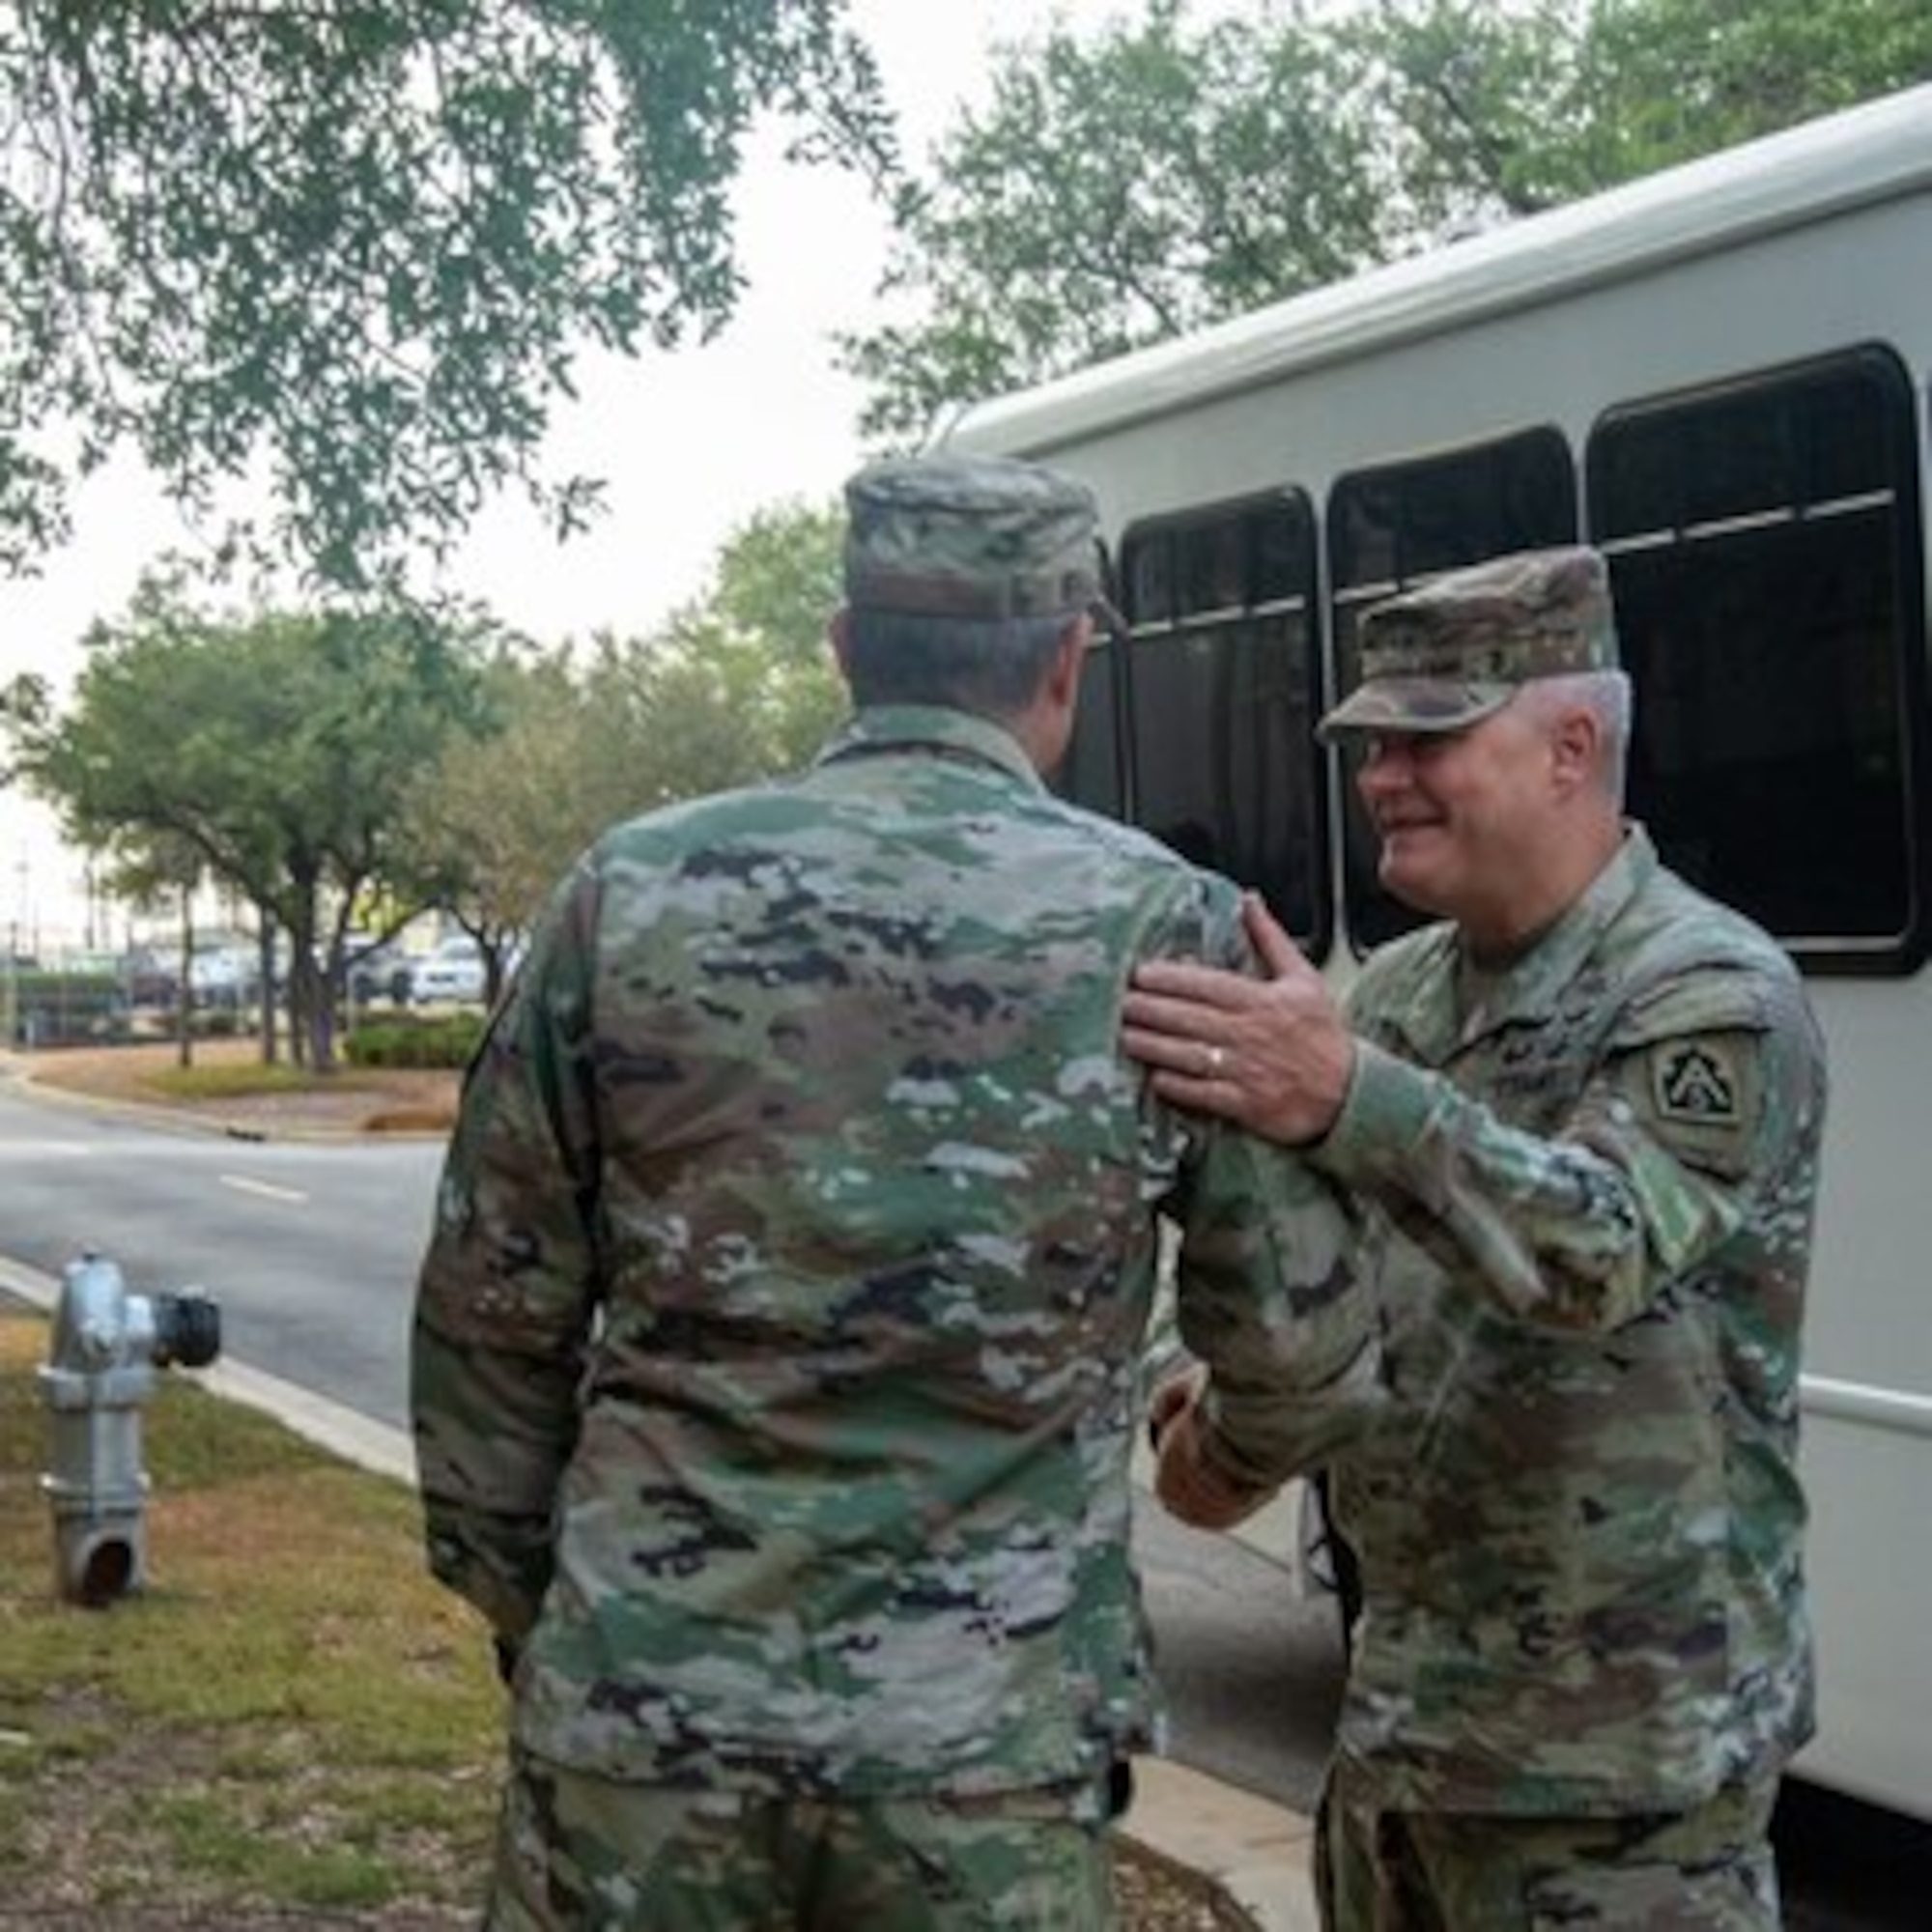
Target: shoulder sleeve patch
{"x": 1704, "y": 1096}
{"x": 1695, "y": 1081}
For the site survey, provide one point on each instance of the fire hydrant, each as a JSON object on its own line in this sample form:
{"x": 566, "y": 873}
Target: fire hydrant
{"x": 102, "y": 1353}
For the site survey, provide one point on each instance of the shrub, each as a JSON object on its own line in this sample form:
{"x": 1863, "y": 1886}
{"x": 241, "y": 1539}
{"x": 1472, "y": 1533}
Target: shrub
{"x": 56, "y": 1008}
{"x": 446, "y": 1040}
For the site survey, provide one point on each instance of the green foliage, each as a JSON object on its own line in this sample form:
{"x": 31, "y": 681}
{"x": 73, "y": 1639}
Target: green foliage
{"x": 1665, "y": 80}
{"x": 504, "y": 807}
{"x": 1119, "y": 189}
{"x": 741, "y": 686}
{"x": 359, "y": 246}
{"x": 734, "y": 689}
{"x": 1505, "y": 111}
{"x": 63, "y": 1008}
{"x": 318, "y": 762}
{"x": 52, "y": 983}
{"x": 291, "y": 743}
{"x": 1157, "y": 176}
{"x": 777, "y": 579}
{"x": 447, "y": 1041}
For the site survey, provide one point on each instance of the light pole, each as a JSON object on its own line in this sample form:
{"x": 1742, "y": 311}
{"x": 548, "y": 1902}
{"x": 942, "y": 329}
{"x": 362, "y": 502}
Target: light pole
{"x": 24, "y": 876}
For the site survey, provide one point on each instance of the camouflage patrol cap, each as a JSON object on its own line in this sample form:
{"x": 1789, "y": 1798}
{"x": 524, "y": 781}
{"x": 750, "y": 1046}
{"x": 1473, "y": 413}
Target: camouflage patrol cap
{"x": 970, "y": 536}
{"x": 1452, "y": 651}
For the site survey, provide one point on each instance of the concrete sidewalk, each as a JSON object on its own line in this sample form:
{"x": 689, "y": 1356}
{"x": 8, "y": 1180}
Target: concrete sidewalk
{"x": 1255, "y": 1850}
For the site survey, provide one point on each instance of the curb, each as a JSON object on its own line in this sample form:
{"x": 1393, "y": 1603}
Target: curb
{"x": 1253, "y": 1852}
{"x": 18, "y": 1069}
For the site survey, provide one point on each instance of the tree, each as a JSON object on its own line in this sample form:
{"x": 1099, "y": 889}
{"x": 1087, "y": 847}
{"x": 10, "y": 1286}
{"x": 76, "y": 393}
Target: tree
{"x": 490, "y": 825}
{"x": 755, "y": 649}
{"x": 1157, "y": 177}
{"x": 738, "y": 686}
{"x": 160, "y": 870}
{"x": 279, "y": 746}
{"x": 1509, "y": 111}
{"x": 1671, "y": 79}
{"x": 734, "y": 689}
{"x": 1115, "y": 191}
{"x": 357, "y": 246}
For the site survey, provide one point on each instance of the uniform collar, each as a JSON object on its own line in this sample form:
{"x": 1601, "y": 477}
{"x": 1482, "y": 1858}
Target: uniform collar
{"x": 1533, "y": 986}
{"x": 932, "y": 728}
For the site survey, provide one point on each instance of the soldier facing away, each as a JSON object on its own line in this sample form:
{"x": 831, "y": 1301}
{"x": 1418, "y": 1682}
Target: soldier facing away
{"x": 774, "y": 1379}
{"x": 1580, "y": 1116}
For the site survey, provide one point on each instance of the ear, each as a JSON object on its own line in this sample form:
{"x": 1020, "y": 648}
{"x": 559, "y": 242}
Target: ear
{"x": 1046, "y": 726}
{"x": 1062, "y": 679}
{"x": 1575, "y": 749}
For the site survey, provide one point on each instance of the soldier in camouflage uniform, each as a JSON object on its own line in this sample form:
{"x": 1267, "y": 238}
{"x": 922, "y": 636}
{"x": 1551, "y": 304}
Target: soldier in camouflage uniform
{"x": 775, "y": 1356}
{"x": 1581, "y": 1117}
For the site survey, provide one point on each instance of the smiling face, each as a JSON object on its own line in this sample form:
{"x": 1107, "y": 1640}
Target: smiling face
{"x": 1495, "y": 826}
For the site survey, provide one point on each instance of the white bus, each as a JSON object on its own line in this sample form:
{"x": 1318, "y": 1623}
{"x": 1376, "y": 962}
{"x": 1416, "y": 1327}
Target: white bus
{"x": 1719, "y": 376}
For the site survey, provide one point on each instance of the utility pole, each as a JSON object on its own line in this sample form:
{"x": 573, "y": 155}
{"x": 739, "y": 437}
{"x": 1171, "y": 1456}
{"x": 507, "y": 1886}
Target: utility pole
{"x": 21, "y": 871}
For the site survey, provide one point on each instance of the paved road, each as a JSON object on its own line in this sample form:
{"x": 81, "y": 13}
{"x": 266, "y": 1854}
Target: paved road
{"x": 1253, "y": 1675}
{"x": 308, "y": 1249}
{"x": 310, "y": 1252}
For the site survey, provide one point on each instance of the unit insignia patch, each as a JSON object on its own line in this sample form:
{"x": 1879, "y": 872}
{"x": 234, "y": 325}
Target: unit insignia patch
{"x": 1695, "y": 1081}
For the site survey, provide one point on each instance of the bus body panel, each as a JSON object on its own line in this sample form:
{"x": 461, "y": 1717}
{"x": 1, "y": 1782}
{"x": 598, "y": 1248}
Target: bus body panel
{"x": 1808, "y": 246}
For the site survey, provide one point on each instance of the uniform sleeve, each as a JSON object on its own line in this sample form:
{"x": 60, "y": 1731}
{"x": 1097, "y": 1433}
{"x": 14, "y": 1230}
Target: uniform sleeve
{"x": 507, "y": 1290}
{"x": 1266, "y": 1293}
{"x": 1268, "y": 1298}
{"x": 1704, "y": 1092}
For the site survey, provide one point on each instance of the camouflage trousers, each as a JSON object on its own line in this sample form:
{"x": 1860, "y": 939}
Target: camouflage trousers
{"x": 1709, "y": 1869}
{"x": 576, "y": 1852}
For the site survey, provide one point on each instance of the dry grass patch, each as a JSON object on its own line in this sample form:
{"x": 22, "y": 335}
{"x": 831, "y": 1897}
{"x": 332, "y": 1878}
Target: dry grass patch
{"x": 292, "y": 1726}
{"x": 229, "y": 1080}
{"x": 291, "y": 1717}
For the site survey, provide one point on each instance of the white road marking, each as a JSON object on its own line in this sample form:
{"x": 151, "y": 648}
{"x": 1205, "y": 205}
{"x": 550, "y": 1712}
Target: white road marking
{"x": 266, "y": 1189}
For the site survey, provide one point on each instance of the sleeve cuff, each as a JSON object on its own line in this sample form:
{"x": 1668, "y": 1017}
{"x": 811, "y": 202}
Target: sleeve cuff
{"x": 1386, "y": 1111}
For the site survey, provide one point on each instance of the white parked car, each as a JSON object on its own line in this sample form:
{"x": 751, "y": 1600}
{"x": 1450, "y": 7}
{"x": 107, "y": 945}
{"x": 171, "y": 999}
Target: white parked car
{"x": 452, "y": 974}
{"x": 225, "y": 975}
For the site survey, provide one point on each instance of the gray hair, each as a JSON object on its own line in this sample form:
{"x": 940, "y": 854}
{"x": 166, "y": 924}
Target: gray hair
{"x": 1607, "y": 695}
{"x": 993, "y": 667}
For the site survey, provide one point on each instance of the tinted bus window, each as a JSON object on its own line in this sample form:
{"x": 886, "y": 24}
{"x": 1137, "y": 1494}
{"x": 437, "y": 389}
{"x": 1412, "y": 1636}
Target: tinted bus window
{"x": 1394, "y": 525}
{"x": 1765, "y": 554}
{"x": 1222, "y": 691}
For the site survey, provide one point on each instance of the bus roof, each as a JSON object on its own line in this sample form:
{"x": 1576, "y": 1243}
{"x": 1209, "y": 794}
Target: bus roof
{"x": 1830, "y": 166}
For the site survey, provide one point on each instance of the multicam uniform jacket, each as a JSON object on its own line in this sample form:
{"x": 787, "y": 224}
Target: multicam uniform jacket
{"x": 1580, "y": 1536}
{"x": 774, "y": 1361}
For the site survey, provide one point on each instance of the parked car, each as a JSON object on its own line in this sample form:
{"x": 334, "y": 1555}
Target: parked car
{"x": 453, "y": 974}
{"x": 380, "y": 970}
{"x": 150, "y": 979}
{"x": 225, "y": 976}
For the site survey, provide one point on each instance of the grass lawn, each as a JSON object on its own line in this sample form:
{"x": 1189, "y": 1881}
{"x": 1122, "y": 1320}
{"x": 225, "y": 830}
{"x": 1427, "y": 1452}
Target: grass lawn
{"x": 228, "y": 1079}
{"x": 292, "y": 1726}
{"x": 291, "y": 1717}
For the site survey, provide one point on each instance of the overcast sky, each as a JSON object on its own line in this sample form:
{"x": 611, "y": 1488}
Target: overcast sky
{"x": 692, "y": 444}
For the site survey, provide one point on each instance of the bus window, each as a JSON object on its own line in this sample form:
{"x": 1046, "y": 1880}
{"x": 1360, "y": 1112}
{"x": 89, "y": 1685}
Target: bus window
{"x": 1768, "y": 582}
{"x": 1222, "y": 694}
{"x": 1398, "y": 523}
